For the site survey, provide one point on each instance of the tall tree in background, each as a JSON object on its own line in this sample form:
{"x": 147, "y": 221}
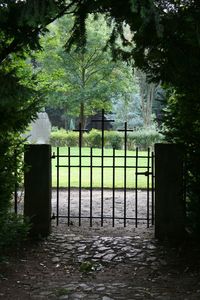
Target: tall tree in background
{"x": 86, "y": 77}
{"x": 147, "y": 96}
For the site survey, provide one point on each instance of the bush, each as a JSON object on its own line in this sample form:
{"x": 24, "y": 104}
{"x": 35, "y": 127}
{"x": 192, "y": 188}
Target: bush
{"x": 72, "y": 139}
{"x": 93, "y": 138}
{"x": 14, "y": 231}
{"x": 114, "y": 139}
{"x": 63, "y": 138}
{"x": 144, "y": 139}
{"x": 58, "y": 138}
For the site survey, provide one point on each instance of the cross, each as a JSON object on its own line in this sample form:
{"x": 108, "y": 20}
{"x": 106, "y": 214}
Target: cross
{"x": 125, "y": 130}
{"x": 80, "y": 130}
{"x": 103, "y": 121}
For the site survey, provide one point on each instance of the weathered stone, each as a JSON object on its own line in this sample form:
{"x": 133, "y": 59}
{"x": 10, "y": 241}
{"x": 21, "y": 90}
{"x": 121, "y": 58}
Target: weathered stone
{"x": 55, "y": 259}
{"x": 109, "y": 257}
{"x": 107, "y": 298}
{"x": 151, "y": 259}
{"x": 77, "y": 296}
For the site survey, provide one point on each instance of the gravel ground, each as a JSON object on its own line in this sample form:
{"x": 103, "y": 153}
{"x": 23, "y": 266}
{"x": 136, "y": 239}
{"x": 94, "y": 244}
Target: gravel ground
{"x": 95, "y": 263}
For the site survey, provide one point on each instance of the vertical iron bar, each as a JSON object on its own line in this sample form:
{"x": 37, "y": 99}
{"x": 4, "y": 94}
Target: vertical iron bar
{"x": 57, "y": 188}
{"x": 148, "y": 187}
{"x": 152, "y": 188}
{"x": 125, "y": 155}
{"x": 113, "y": 215}
{"x": 69, "y": 183}
{"x": 91, "y": 177}
{"x": 136, "y": 187}
{"x": 102, "y": 166}
{"x": 80, "y": 171}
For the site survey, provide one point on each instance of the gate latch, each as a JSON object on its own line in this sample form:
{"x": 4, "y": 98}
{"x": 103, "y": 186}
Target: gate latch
{"x": 147, "y": 173}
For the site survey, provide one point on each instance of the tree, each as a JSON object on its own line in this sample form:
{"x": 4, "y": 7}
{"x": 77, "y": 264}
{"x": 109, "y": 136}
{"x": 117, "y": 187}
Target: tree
{"x": 20, "y": 29}
{"x": 127, "y": 109}
{"x": 147, "y": 95}
{"x": 87, "y": 78}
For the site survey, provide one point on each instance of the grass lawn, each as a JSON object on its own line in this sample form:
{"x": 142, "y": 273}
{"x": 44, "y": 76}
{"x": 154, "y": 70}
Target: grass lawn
{"x": 96, "y": 161}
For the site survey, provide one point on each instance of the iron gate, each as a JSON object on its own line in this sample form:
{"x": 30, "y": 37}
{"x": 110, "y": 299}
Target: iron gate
{"x": 134, "y": 166}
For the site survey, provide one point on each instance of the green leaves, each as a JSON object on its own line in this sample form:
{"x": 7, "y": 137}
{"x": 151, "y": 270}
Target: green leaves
{"x": 89, "y": 77}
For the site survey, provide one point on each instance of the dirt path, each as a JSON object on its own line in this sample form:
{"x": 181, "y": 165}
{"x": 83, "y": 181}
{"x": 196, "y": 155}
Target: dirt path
{"x": 117, "y": 208}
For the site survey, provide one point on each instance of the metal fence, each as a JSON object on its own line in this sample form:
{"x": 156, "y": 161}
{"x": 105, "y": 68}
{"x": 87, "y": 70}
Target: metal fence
{"x": 131, "y": 167}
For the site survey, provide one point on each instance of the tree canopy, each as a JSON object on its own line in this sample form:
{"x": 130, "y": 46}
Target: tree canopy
{"x": 82, "y": 78}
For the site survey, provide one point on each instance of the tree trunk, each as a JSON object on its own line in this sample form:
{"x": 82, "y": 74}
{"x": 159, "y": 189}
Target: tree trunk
{"x": 82, "y": 116}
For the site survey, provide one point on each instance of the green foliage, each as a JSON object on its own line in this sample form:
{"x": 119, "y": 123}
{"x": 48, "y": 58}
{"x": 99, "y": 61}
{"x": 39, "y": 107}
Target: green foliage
{"x": 84, "y": 77}
{"x": 86, "y": 267}
{"x": 58, "y": 138}
{"x": 14, "y": 231}
{"x": 18, "y": 106}
{"x": 182, "y": 126}
{"x": 114, "y": 139}
{"x": 61, "y": 291}
{"x": 61, "y": 138}
{"x": 94, "y": 138}
{"x": 144, "y": 139}
{"x": 72, "y": 138}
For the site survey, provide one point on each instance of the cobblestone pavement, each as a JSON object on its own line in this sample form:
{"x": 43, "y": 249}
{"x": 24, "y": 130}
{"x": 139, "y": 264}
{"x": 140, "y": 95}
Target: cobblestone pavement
{"x": 73, "y": 264}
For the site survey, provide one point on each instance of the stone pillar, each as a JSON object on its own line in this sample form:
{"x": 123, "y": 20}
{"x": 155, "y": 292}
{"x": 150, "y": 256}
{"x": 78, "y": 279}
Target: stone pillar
{"x": 37, "y": 182}
{"x": 169, "y": 200}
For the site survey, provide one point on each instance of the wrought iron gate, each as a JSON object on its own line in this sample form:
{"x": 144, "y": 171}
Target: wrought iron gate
{"x": 134, "y": 165}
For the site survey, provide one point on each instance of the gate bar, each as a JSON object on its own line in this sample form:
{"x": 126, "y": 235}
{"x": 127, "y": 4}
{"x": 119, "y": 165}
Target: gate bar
{"x": 91, "y": 177}
{"x": 57, "y": 188}
{"x": 125, "y": 130}
{"x": 136, "y": 188}
{"x": 80, "y": 130}
{"x": 102, "y": 163}
{"x": 113, "y": 194}
{"x": 69, "y": 187}
{"x": 148, "y": 185}
{"x": 125, "y": 154}
{"x": 80, "y": 171}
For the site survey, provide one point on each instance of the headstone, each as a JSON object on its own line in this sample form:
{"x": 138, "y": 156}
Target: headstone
{"x": 40, "y": 129}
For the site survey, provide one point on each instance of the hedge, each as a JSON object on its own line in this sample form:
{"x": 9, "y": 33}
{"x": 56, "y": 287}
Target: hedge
{"x": 112, "y": 139}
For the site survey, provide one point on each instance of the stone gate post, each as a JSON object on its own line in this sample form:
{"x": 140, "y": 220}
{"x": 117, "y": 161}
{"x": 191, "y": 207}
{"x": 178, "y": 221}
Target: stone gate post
{"x": 169, "y": 199}
{"x": 37, "y": 182}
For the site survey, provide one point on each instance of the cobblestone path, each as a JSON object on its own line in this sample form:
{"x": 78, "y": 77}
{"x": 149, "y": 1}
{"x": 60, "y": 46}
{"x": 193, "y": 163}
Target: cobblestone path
{"x": 76, "y": 264}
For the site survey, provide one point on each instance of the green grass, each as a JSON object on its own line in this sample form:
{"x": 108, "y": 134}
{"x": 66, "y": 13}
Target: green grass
{"x": 96, "y": 161}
